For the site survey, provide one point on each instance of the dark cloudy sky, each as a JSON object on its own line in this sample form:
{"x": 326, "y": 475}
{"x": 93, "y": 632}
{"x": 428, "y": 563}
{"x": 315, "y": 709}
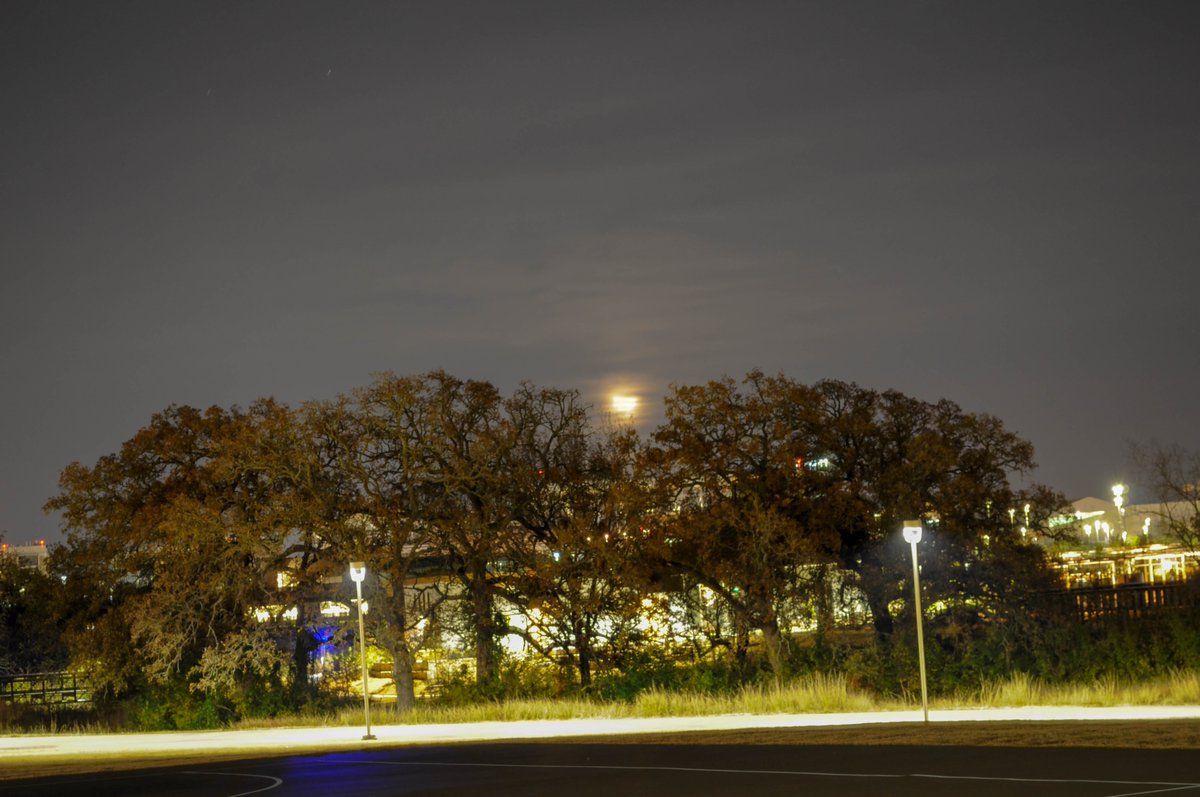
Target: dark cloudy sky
{"x": 205, "y": 203}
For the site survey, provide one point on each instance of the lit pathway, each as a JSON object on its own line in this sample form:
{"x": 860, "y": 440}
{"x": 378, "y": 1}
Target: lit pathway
{"x": 277, "y": 740}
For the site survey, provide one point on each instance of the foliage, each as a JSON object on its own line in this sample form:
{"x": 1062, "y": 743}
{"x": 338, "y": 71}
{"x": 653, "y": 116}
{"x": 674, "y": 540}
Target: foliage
{"x": 772, "y": 483}
{"x": 1172, "y": 475}
{"x": 740, "y": 512}
{"x": 242, "y": 669}
{"x": 30, "y": 634}
{"x": 678, "y": 564}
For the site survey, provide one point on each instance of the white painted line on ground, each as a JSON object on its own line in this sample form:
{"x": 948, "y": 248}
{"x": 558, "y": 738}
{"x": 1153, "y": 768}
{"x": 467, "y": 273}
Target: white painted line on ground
{"x": 277, "y": 782}
{"x": 634, "y": 768}
{"x": 1168, "y": 785}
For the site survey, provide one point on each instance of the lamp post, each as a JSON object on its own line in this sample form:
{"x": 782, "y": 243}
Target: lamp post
{"x": 358, "y": 571}
{"x": 912, "y": 534}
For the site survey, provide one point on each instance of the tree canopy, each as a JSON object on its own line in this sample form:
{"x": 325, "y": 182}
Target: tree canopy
{"x": 525, "y": 518}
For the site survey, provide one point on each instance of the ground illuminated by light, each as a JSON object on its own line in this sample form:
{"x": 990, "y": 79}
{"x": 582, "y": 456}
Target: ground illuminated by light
{"x": 14, "y": 748}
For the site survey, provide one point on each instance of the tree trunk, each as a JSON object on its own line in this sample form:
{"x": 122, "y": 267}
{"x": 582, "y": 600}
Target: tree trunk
{"x": 874, "y": 584}
{"x": 301, "y": 687}
{"x": 741, "y": 643}
{"x": 881, "y": 618}
{"x": 485, "y": 628}
{"x": 583, "y": 652}
{"x": 402, "y": 678}
{"x": 773, "y": 643}
{"x": 824, "y": 601}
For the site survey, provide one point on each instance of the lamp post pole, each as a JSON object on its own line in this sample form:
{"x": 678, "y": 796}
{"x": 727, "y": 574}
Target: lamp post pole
{"x": 912, "y": 534}
{"x": 358, "y": 572}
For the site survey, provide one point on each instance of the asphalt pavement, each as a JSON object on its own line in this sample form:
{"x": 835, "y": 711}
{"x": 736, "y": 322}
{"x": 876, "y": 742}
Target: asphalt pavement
{"x": 538, "y": 757}
{"x": 599, "y": 770}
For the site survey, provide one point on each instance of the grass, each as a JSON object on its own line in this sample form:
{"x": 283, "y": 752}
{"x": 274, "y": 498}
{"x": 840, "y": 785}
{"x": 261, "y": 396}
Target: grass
{"x": 1178, "y": 688}
{"x": 819, "y": 693}
{"x": 815, "y": 694}
{"x": 809, "y": 695}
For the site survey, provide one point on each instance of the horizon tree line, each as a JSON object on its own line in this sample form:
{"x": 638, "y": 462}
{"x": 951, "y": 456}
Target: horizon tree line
{"x": 762, "y": 491}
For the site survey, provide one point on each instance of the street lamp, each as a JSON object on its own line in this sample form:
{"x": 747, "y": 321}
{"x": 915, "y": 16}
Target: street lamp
{"x": 912, "y": 535}
{"x": 358, "y": 571}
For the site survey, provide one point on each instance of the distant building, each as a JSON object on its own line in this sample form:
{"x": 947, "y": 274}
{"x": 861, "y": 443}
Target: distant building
{"x": 1113, "y": 546}
{"x": 33, "y": 556}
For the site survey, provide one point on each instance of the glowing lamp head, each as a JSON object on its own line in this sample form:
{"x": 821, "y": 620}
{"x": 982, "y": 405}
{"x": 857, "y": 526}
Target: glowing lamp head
{"x": 358, "y": 572}
{"x": 912, "y": 531}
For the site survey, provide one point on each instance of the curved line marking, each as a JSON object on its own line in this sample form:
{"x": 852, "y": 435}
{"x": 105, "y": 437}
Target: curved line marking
{"x": 277, "y": 781}
{"x": 705, "y": 770}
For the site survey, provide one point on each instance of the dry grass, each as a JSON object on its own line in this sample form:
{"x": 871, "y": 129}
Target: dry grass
{"x": 816, "y": 694}
{"x": 1180, "y": 688}
{"x": 810, "y": 695}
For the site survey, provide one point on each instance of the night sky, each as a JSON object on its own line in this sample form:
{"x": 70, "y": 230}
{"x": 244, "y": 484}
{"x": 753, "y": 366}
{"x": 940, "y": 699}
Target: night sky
{"x": 206, "y": 203}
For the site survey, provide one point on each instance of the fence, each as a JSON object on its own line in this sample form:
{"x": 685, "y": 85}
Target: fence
{"x": 45, "y": 688}
{"x": 1131, "y": 600}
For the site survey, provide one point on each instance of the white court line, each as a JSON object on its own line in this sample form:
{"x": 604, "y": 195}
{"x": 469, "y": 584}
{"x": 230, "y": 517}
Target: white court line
{"x": 1155, "y": 791}
{"x": 278, "y": 781}
{"x": 631, "y": 768}
{"x": 1169, "y": 785}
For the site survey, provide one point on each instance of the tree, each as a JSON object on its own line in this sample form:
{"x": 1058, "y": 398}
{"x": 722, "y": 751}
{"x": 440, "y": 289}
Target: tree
{"x": 291, "y": 496}
{"x": 884, "y": 457}
{"x": 373, "y": 502}
{"x": 165, "y": 557}
{"x": 740, "y": 511}
{"x": 501, "y": 465}
{"x": 773, "y": 482}
{"x": 1172, "y": 475}
{"x": 30, "y": 636}
{"x": 573, "y": 574}
{"x": 467, "y": 446}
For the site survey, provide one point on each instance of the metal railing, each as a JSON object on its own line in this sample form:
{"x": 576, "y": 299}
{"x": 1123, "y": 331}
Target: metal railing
{"x": 45, "y": 688}
{"x": 1131, "y": 600}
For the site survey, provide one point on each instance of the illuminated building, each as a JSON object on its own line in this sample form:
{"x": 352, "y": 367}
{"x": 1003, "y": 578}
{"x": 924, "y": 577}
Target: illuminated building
{"x": 34, "y": 556}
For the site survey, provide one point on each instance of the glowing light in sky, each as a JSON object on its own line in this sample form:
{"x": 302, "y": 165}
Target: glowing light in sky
{"x": 624, "y": 404}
